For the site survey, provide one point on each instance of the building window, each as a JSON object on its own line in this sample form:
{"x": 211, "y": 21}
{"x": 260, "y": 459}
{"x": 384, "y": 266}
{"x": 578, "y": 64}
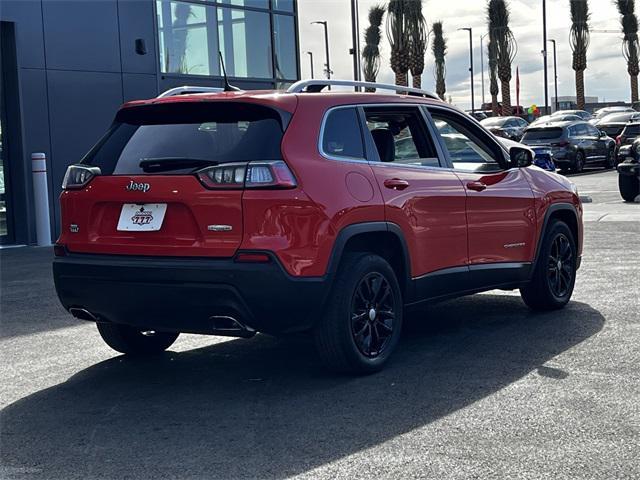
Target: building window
{"x": 187, "y": 38}
{"x": 245, "y": 42}
{"x": 284, "y": 34}
{"x": 283, "y": 5}
{"x": 257, "y": 38}
{"x": 247, "y": 3}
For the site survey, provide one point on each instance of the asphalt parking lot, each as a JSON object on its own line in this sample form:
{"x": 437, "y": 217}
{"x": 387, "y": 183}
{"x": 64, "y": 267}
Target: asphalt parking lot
{"x": 479, "y": 388}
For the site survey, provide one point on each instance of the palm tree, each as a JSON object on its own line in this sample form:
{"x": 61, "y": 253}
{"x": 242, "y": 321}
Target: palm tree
{"x": 493, "y": 77}
{"x": 416, "y": 25}
{"x": 629, "y": 23}
{"x": 439, "y": 49}
{"x": 579, "y": 39}
{"x": 371, "y": 50}
{"x": 505, "y": 45}
{"x": 398, "y": 35}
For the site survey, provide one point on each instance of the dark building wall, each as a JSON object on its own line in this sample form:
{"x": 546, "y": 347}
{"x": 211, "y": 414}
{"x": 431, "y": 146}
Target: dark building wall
{"x": 76, "y": 64}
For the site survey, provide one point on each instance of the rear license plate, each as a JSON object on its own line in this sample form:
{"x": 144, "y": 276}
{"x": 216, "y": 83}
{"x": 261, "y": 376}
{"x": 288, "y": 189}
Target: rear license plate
{"x": 147, "y": 217}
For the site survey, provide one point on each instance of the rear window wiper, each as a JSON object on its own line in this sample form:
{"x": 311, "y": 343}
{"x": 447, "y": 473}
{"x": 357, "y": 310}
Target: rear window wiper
{"x": 167, "y": 164}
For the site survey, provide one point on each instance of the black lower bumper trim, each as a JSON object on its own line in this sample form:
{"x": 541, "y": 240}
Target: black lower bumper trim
{"x": 184, "y": 294}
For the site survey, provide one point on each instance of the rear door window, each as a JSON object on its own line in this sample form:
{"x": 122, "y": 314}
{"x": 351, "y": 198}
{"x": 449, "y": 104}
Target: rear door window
{"x": 341, "y": 135}
{"x": 173, "y": 139}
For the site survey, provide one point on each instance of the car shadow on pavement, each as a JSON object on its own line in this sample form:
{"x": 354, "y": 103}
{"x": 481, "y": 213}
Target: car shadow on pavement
{"x": 265, "y": 408}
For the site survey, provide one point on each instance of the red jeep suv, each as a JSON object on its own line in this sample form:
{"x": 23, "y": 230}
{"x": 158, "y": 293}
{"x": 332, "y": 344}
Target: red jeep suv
{"x": 231, "y": 213}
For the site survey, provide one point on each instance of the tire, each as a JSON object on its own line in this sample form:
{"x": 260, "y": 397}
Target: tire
{"x": 578, "y": 163}
{"x": 554, "y": 277}
{"x": 132, "y": 341}
{"x": 629, "y": 186}
{"x": 611, "y": 159}
{"x": 356, "y": 313}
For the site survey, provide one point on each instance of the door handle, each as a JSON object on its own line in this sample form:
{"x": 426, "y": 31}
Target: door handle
{"x": 396, "y": 184}
{"x": 476, "y": 186}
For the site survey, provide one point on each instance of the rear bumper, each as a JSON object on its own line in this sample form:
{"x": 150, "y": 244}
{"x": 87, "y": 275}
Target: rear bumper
{"x": 184, "y": 294}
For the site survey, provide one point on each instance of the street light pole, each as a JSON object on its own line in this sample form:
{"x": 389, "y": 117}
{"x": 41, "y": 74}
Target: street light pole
{"x": 470, "y": 30}
{"x": 326, "y": 45}
{"x": 555, "y": 73}
{"x": 544, "y": 54}
{"x": 311, "y": 62}
{"x": 355, "y": 51}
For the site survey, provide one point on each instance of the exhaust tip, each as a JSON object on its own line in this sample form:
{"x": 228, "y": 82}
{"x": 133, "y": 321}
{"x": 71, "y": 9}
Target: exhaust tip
{"x": 83, "y": 314}
{"x": 230, "y": 327}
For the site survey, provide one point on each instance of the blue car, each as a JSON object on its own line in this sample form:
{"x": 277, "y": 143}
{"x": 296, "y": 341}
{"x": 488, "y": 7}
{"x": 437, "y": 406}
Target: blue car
{"x": 541, "y": 156}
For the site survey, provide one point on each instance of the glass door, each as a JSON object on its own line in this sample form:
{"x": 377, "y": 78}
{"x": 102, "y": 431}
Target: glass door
{"x": 6, "y": 234}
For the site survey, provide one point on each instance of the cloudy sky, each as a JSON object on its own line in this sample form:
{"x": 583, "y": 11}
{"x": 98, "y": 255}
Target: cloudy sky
{"x": 606, "y": 76}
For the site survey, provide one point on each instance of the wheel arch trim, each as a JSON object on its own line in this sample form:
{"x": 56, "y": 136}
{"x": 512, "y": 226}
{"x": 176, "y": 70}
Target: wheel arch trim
{"x": 353, "y": 230}
{"x": 553, "y": 208}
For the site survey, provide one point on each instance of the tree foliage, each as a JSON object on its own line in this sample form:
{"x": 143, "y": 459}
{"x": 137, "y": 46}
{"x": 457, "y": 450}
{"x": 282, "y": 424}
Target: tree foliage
{"x": 372, "y": 38}
{"x": 439, "y": 49}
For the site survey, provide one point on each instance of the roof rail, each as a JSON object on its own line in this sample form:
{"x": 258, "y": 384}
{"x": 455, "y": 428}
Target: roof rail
{"x": 315, "y": 86}
{"x": 188, "y": 89}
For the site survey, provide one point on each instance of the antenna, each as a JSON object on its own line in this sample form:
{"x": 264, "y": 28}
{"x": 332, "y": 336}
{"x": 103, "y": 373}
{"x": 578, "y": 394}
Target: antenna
{"x": 227, "y": 86}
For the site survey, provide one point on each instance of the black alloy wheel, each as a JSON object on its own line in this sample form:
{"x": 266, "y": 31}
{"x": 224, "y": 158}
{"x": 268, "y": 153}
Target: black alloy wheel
{"x": 372, "y": 314}
{"x": 611, "y": 159}
{"x": 362, "y": 321}
{"x": 560, "y": 270}
{"x": 551, "y": 285}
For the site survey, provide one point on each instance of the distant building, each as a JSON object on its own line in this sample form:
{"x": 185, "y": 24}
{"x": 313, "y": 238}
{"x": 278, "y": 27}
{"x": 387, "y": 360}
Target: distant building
{"x": 570, "y": 103}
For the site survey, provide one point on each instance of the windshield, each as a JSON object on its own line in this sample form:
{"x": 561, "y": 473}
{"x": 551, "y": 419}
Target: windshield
{"x": 177, "y": 139}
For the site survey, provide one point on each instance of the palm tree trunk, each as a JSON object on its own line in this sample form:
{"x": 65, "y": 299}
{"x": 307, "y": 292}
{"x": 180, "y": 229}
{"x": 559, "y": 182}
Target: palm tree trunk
{"x": 417, "y": 81}
{"x": 634, "y": 88}
{"x": 402, "y": 79}
{"x": 495, "y": 108}
{"x": 580, "y": 89}
{"x": 506, "y": 99}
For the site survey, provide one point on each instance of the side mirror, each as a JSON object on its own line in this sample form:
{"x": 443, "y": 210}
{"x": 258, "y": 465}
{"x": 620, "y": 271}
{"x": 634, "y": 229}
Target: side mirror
{"x": 603, "y": 134}
{"x": 520, "y": 157}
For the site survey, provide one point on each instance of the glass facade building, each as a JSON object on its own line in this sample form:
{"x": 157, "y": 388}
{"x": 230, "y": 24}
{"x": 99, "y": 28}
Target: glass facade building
{"x": 67, "y": 65}
{"x": 256, "y": 39}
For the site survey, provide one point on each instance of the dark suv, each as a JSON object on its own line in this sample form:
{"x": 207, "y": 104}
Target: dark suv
{"x": 233, "y": 213}
{"x": 573, "y": 144}
{"x": 629, "y": 133}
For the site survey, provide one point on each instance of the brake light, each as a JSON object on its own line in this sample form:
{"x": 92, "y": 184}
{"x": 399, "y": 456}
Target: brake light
{"x": 618, "y": 139}
{"x": 78, "y": 176}
{"x": 261, "y": 174}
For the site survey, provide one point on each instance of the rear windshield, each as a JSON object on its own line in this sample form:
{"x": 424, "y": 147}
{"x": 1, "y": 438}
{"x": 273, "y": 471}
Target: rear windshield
{"x": 632, "y": 130}
{"x": 542, "y": 134}
{"x": 180, "y": 138}
{"x": 613, "y": 130}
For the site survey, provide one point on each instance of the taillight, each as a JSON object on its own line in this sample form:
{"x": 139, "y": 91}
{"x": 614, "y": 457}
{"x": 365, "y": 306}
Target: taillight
{"x": 618, "y": 139}
{"x": 59, "y": 250}
{"x": 260, "y": 174}
{"x": 564, "y": 143}
{"x": 78, "y": 176}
